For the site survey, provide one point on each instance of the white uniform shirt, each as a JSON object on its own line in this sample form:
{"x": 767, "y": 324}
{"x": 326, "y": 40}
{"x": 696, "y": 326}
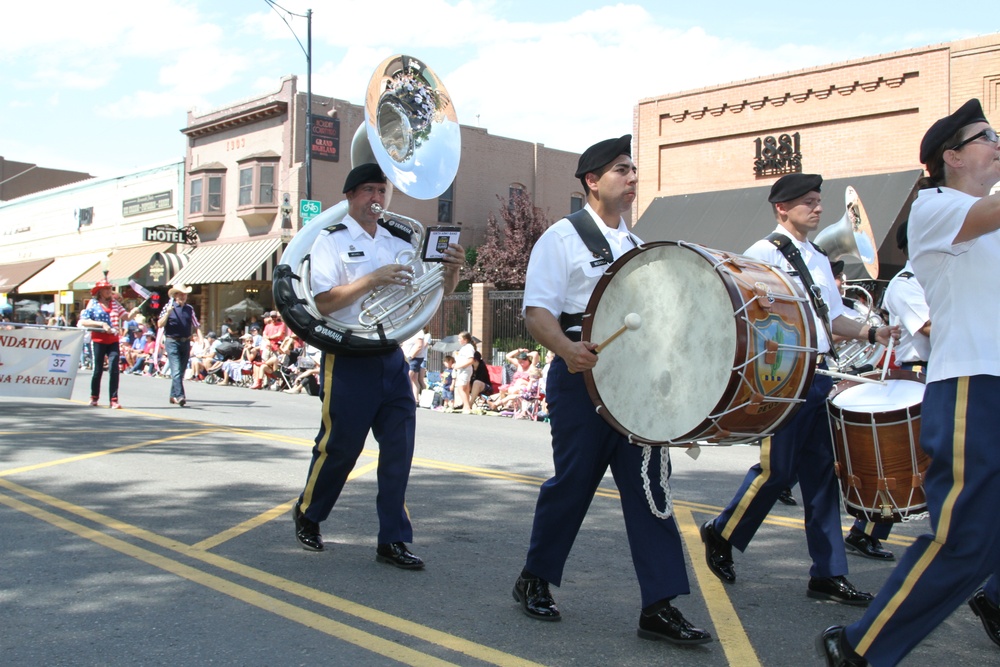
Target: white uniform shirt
{"x": 562, "y": 272}
{"x": 819, "y": 268}
{"x": 960, "y": 281}
{"x": 340, "y": 258}
{"x": 904, "y": 299}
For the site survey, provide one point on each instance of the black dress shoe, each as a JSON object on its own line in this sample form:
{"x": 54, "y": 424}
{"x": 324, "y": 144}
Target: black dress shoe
{"x": 831, "y": 646}
{"x": 867, "y": 546}
{"x": 786, "y": 497}
{"x": 396, "y": 554}
{"x": 718, "y": 553}
{"x": 838, "y": 589}
{"x": 670, "y": 625}
{"x": 306, "y": 531}
{"x": 535, "y": 599}
{"x": 988, "y": 613}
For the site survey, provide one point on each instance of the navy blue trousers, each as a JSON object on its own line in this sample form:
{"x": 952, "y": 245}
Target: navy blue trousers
{"x": 362, "y": 394}
{"x": 583, "y": 446}
{"x": 800, "y": 449}
{"x": 960, "y": 418}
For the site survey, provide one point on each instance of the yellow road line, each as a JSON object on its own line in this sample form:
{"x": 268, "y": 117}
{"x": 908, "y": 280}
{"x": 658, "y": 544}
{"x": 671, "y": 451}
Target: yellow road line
{"x": 395, "y": 623}
{"x": 103, "y": 452}
{"x": 341, "y": 631}
{"x": 728, "y": 626}
{"x": 261, "y": 519}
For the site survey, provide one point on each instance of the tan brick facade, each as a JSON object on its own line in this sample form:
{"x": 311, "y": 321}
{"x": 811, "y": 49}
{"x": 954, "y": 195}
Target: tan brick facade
{"x": 853, "y": 118}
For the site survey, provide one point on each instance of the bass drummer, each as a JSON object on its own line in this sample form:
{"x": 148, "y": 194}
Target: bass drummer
{"x": 565, "y": 266}
{"x": 801, "y": 448}
{"x": 363, "y": 393}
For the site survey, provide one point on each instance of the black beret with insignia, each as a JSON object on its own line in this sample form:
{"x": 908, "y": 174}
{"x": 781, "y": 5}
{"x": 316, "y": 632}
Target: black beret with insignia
{"x": 793, "y": 186}
{"x": 602, "y": 153}
{"x": 967, "y": 114}
{"x": 365, "y": 173}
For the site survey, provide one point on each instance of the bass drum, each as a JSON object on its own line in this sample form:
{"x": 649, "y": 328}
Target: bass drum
{"x": 725, "y": 352}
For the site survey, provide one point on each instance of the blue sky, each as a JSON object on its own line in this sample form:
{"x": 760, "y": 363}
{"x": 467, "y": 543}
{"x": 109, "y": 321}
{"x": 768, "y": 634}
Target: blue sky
{"x": 104, "y": 86}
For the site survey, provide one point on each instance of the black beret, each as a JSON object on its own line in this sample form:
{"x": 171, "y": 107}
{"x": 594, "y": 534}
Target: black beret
{"x": 940, "y": 131}
{"x": 365, "y": 173}
{"x": 602, "y": 153}
{"x": 793, "y": 186}
{"x": 901, "y": 235}
{"x": 837, "y": 267}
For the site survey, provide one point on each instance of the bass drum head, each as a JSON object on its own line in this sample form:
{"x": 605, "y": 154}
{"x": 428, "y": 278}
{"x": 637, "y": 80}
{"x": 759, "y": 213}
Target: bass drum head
{"x": 659, "y": 382}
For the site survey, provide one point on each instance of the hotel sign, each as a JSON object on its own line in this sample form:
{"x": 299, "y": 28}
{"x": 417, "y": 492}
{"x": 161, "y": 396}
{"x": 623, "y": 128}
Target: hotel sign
{"x": 160, "y": 201}
{"x": 170, "y": 234}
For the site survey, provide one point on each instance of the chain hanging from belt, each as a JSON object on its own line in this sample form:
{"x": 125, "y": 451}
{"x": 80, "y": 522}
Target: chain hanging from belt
{"x": 668, "y": 505}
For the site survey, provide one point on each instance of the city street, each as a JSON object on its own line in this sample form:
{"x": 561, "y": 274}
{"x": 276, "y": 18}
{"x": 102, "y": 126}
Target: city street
{"x": 160, "y": 535}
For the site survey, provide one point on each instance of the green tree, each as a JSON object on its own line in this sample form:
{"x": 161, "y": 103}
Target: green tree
{"x": 503, "y": 259}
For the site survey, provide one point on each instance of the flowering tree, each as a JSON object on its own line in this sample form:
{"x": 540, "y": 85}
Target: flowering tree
{"x": 503, "y": 259}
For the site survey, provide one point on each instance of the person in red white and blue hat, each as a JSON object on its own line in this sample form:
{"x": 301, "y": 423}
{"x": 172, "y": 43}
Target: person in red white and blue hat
{"x": 106, "y": 317}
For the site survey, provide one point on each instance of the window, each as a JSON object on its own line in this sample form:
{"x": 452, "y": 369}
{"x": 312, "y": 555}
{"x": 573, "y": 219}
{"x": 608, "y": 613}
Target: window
{"x": 246, "y": 186}
{"x": 198, "y": 203}
{"x": 575, "y": 202}
{"x": 257, "y": 176}
{"x": 515, "y": 192}
{"x": 446, "y": 211}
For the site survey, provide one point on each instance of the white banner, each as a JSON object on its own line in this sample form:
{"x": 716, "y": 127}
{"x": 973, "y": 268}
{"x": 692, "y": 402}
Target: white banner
{"x": 38, "y": 362}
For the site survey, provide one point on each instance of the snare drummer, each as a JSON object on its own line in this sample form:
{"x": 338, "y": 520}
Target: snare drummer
{"x": 565, "y": 266}
{"x": 955, "y": 252}
{"x": 801, "y": 449}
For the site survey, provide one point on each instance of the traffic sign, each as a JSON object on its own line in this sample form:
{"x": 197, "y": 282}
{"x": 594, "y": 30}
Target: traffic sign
{"x": 309, "y": 209}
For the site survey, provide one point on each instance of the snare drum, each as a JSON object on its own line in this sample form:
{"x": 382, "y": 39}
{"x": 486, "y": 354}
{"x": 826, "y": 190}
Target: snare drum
{"x": 876, "y": 436}
{"x": 725, "y": 352}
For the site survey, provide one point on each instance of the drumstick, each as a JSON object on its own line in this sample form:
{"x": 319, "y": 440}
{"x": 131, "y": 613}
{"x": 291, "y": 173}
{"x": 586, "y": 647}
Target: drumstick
{"x": 632, "y": 322}
{"x": 888, "y": 356}
{"x": 848, "y": 376}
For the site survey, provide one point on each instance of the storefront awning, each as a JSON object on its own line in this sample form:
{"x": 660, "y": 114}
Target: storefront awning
{"x": 12, "y": 275}
{"x": 61, "y": 274}
{"x": 733, "y": 220}
{"x": 123, "y": 264}
{"x": 230, "y": 262}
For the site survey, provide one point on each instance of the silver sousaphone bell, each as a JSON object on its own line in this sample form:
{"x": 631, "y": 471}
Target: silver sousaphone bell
{"x": 412, "y": 132}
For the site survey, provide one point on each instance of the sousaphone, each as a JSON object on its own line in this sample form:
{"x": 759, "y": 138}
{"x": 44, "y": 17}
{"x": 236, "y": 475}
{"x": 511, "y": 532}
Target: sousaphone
{"x": 412, "y": 132}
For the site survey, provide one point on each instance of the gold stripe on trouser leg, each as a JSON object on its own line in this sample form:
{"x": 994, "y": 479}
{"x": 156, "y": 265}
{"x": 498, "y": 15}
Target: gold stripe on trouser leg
{"x": 327, "y": 429}
{"x": 944, "y": 523}
{"x": 751, "y": 492}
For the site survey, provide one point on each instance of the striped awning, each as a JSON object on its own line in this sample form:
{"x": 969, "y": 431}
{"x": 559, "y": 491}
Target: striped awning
{"x": 12, "y": 275}
{"x": 230, "y": 262}
{"x": 61, "y": 274}
{"x": 124, "y": 263}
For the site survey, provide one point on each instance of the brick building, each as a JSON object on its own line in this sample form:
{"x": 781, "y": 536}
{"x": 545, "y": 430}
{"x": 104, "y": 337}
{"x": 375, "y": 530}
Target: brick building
{"x": 707, "y": 157}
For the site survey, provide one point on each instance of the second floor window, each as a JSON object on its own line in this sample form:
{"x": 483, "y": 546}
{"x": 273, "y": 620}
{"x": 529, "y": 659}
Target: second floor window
{"x": 200, "y": 203}
{"x": 257, "y": 181}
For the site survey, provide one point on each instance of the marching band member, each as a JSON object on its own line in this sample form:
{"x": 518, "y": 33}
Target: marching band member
{"x": 363, "y": 393}
{"x": 801, "y": 448}
{"x": 955, "y": 252}
{"x": 565, "y": 266}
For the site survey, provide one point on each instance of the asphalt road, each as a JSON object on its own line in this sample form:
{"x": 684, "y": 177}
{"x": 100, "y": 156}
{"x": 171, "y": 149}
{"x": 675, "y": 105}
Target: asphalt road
{"x": 159, "y": 535}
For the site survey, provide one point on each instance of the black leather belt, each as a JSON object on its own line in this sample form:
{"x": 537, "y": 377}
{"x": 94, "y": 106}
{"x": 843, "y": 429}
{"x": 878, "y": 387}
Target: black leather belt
{"x": 575, "y": 336}
{"x": 178, "y": 339}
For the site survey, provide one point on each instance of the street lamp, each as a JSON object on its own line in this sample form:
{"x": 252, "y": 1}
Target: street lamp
{"x": 307, "y": 50}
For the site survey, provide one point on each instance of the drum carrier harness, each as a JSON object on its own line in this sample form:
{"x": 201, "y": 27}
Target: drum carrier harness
{"x": 794, "y": 257}
{"x": 596, "y": 243}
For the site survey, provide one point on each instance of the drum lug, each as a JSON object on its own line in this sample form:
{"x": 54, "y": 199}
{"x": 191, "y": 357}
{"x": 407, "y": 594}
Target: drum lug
{"x": 917, "y": 482}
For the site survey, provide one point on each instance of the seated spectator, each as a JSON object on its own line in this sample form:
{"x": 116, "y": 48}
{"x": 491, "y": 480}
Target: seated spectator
{"x": 210, "y": 361}
{"x": 523, "y": 361}
{"x": 197, "y": 352}
{"x": 144, "y": 356}
{"x": 234, "y": 370}
{"x": 307, "y": 379}
{"x": 480, "y": 378}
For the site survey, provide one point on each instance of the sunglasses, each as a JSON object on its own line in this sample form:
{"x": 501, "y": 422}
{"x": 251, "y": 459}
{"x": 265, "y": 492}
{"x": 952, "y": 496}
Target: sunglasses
{"x": 989, "y": 133}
